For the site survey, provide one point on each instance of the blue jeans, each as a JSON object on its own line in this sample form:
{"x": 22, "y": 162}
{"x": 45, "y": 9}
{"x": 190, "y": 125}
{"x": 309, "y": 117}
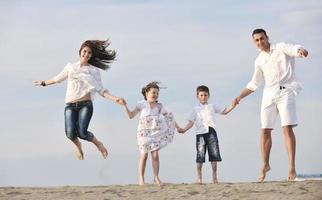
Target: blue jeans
{"x": 208, "y": 141}
{"x": 77, "y": 118}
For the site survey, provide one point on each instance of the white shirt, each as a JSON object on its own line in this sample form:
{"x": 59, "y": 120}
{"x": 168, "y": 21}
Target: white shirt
{"x": 81, "y": 81}
{"x": 203, "y": 117}
{"x": 277, "y": 69}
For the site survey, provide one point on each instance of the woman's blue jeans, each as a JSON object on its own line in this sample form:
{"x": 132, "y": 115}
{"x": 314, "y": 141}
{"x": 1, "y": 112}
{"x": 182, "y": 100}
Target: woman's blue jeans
{"x": 77, "y": 118}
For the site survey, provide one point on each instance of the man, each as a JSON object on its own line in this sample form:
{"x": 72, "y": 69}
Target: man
{"x": 275, "y": 65}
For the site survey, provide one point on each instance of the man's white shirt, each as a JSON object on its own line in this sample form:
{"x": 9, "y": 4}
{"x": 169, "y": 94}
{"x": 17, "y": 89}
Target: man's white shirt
{"x": 277, "y": 69}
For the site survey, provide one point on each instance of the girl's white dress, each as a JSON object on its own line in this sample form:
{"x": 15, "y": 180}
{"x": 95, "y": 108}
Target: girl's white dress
{"x": 156, "y": 127}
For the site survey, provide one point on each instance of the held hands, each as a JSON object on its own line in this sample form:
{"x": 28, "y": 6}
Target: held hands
{"x": 235, "y": 102}
{"x": 120, "y": 101}
{"x": 38, "y": 83}
{"x": 181, "y": 130}
{"x": 303, "y": 53}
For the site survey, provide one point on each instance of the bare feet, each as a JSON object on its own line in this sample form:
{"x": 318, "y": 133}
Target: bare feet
{"x": 291, "y": 175}
{"x": 79, "y": 153}
{"x": 79, "y": 150}
{"x": 141, "y": 181}
{"x": 157, "y": 181}
{"x": 102, "y": 149}
{"x": 215, "y": 180}
{"x": 199, "y": 181}
{"x": 263, "y": 172}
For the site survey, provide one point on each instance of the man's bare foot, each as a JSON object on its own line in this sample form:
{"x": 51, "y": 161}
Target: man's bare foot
{"x": 215, "y": 180}
{"x": 141, "y": 181}
{"x": 263, "y": 172}
{"x": 291, "y": 175}
{"x": 79, "y": 153}
{"x": 102, "y": 149}
{"x": 199, "y": 181}
{"x": 157, "y": 181}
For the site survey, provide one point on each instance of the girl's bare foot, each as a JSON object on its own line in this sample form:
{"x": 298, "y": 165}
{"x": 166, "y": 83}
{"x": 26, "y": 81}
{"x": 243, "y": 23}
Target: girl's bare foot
{"x": 291, "y": 175}
{"x": 141, "y": 181}
{"x": 263, "y": 172}
{"x": 157, "y": 181}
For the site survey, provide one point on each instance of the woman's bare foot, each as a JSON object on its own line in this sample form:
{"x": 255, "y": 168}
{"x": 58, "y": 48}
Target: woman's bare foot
{"x": 291, "y": 175}
{"x": 157, "y": 181}
{"x": 79, "y": 150}
{"x": 102, "y": 149}
{"x": 141, "y": 181}
{"x": 79, "y": 153}
{"x": 263, "y": 172}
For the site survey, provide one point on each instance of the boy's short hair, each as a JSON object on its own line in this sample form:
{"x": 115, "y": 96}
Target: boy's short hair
{"x": 202, "y": 88}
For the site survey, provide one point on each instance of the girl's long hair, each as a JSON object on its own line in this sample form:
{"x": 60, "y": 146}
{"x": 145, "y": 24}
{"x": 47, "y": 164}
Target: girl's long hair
{"x": 101, "y": 57}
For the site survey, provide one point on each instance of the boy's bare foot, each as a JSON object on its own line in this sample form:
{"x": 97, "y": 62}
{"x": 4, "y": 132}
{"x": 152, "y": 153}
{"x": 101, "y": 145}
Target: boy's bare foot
{"x": 157, "y": 181}
{"x": 263, "y": 172}
{"x": 291, "y": 175}
{"x": 141, "y": 181}
{"x": 102, "y": 149}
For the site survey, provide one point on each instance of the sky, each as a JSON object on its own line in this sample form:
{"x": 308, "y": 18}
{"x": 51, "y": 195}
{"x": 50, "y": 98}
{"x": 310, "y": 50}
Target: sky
{"x": 182, "y": 44}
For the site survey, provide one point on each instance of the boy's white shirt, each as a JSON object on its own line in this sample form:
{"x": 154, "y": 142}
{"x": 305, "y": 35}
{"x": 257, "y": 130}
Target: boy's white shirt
{"x": 203, "y": 116}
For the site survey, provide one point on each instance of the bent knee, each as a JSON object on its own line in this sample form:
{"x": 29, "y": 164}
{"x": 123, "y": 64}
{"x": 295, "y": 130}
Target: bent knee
{"x": 70, "y": 135}
{"x": 86, "y": 136}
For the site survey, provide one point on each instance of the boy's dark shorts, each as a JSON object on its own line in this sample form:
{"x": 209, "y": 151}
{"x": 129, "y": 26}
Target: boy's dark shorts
{"x": 207, "y": 141}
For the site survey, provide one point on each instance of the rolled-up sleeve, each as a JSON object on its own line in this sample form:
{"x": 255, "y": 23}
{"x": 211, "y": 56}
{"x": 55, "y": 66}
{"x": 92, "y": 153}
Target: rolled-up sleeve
{"x": 62, "y": 75}
{"x": 290, "y": 49}
{"x": 256, "y": 79}
{"x": 99, "y": 85}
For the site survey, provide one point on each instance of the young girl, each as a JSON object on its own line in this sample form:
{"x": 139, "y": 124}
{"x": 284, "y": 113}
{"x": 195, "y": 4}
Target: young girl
{"x": 155, "y": 130}
{"x": 84, "y": 80}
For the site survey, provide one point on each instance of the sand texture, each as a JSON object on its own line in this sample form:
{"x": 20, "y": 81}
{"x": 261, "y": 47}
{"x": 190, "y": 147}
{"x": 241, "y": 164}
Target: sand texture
{"x": 303, "y": 190}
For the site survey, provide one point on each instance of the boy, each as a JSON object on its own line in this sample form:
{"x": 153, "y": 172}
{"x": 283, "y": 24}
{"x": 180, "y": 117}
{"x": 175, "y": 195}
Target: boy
{"x": 203, "y": 116}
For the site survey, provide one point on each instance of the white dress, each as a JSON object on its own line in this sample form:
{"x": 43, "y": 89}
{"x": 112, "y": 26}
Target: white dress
{"x": 156, "y": 127}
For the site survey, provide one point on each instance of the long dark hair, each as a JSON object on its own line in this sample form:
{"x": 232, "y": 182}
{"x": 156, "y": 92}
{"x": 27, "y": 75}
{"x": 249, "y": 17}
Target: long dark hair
{"x": 146, "y": 89}
{"x": 101, "y": 57}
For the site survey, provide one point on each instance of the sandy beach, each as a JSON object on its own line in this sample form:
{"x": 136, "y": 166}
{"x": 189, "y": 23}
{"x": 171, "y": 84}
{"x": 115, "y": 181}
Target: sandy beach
{"x": 308, "y": 190}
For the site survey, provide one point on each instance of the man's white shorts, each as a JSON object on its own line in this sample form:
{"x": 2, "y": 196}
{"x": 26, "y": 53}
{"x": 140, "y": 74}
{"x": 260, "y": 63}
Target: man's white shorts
{"x": 283, "y": 104}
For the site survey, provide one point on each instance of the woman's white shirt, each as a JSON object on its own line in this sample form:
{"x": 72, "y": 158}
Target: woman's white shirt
{"x": 80, "y": 81}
